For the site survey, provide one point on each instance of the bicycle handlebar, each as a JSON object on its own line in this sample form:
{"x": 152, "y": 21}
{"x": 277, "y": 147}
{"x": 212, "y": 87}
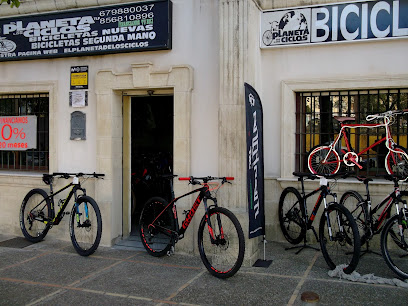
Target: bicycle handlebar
{"x": 386, "y": 114}
{"x": 79, "y": 174}
{"x": 195, "y": 180}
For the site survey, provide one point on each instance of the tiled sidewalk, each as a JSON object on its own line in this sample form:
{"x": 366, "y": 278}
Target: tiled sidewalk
{"x": 52, "y": 273}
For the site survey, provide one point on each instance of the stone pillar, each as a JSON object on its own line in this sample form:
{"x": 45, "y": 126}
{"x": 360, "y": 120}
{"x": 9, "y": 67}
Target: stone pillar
{"x": 239, "y": 53}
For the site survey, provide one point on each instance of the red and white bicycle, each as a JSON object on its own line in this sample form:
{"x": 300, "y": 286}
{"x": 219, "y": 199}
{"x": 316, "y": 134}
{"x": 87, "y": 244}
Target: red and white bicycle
{"x": 327, "y": 159}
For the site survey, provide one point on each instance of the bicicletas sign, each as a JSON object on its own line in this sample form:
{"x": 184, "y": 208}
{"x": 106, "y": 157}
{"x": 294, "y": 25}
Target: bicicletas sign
{"x": 341, "y": 22}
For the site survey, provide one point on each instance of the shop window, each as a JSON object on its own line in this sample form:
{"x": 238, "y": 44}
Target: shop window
{"x": 32, "y": 159}
{"x": 315, "y": 123}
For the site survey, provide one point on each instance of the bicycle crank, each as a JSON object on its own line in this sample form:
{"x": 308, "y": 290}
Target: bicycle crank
{"x": 351, "y": 159}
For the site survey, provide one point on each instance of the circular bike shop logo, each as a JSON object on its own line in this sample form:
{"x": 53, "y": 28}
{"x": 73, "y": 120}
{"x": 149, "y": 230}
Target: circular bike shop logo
{"x": 286, "y": 27}
{"x": 7, "y": 46}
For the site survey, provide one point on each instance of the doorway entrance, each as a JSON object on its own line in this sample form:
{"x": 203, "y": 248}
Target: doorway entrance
{"x": 152, "y": 138}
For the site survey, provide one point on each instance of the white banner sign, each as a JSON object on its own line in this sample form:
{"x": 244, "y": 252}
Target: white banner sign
{"x": 18, "y": 133}
{"x": 342, "y": 22}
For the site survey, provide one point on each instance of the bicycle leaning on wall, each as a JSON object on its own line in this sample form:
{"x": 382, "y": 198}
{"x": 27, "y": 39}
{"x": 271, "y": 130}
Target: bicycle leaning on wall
{"x": 221, "y": 241}
{"x": 327, "y": 159}
{"x": 372, "y": 221}
{"x": 338, "y": 233}
{"x": 38, "y": 213}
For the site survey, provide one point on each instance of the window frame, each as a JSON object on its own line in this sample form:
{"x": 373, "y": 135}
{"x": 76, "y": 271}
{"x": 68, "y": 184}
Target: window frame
{"x": 31, "y": 160}
{"x": 315, "y": 123}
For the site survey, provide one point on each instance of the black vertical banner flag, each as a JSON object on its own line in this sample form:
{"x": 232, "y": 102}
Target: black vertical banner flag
{"x": 255, "y": 162}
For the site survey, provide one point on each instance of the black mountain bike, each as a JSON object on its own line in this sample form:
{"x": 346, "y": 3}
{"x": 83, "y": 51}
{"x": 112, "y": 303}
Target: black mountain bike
{"x": 38, "y": 213}
{"x": 221, "y": 240}
{"x": 338, "y": 233}
{"x": 371, "y": 221}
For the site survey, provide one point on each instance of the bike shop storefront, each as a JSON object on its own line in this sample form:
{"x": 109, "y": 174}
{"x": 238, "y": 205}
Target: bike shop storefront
{"x": 130, "y": 111}
{"x": 328, "y": 61}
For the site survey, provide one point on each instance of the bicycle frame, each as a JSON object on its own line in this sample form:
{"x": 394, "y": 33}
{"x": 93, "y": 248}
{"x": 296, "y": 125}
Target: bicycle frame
{"x": 203, "y": 196}
{"x": 375, "y": 224}
{"x": 352, "y": 160}
{"x": 393, "y": 197}
{"x": 324, "y": 191}
{"x": 75, "y": 187}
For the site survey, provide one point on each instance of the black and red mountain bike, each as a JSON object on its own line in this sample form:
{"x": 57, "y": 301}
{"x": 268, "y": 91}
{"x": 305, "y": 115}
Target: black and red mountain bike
{"x": 221, "y": 240}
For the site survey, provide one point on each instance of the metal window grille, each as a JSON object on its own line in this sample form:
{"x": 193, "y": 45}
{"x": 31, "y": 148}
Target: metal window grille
{"x": 27, "y": 104}
{"x": 315, "y": 123}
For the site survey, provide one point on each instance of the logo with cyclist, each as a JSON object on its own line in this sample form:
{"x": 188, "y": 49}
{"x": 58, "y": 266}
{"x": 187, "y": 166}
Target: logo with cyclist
{"x": 7, "y": 46}
{"x": 286, "y": 27}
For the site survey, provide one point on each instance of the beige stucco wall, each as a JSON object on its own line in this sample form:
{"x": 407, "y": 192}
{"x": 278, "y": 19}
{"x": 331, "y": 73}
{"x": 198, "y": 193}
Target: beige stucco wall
{"x": 195, "y": 50}
{"x": 217, "y": 42}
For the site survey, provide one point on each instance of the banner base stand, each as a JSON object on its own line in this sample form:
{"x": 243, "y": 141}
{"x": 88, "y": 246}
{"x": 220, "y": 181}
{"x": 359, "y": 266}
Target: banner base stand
{"x": 263, "y": 263}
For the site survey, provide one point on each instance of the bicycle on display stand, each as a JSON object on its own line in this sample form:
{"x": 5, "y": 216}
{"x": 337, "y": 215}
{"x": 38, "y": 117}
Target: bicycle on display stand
{"x": 338, "y": 233}
{"x": 373, "y": 221}
{"x": 328, "y": 159}
{"x": 221, "y": 240}
{"x": 39, "y": 213}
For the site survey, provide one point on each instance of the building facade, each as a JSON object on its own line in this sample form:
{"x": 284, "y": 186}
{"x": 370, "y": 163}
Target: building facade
{"x": 215, "y": 46}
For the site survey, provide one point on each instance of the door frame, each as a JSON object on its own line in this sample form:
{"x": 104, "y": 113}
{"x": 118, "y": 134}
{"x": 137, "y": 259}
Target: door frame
{"x": 127, "y": 148}
{"x": 113, "y": 92}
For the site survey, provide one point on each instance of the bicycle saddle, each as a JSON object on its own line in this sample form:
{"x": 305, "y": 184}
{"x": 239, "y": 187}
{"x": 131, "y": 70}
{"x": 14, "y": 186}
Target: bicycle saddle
{"x": 364, "y": 179}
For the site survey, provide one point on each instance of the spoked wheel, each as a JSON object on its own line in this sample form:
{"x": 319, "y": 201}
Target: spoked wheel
{"x": 222, "y": 248}
{"x": 323, "y": 160}
{"x": 157, "y": 227}
{"x": 343, "y": 247}
{"x": 35, "y": 215}
{"x": 85, "y": 226}
{"x": 267, "y": 37}
{"x": 396, "y": 163}
{"x": 291, "y": 215}
{"x": 354, "y": 202}
{"x": 394, "y": 245}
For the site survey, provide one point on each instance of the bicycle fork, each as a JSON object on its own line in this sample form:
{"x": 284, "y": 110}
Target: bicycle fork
{"x": 216, "y": 238}
{"x": 78, "y": 214}
{"x": 329, "y": 225}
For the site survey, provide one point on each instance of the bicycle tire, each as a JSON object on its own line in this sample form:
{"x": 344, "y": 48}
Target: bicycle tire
{"x": 291, "y": 215}
{"x": 394, "y": 248}
{"x": 397, "y": 163}
{"x": 318, "y": 155}
{"x": 35, "y": 224}
{"x": 85, "y": 216}
{"x": 267, "y": 37}
{"x": 224, "y": 257}
{"x": 157, "y": 242}
{"x": 345, "y": 247}
{"x": 355, "y": 204}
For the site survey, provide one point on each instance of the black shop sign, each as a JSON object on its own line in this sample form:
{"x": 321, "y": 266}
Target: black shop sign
{"x": 130, "y": 27}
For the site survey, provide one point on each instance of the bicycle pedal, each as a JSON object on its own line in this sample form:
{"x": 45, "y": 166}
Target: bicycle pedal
{"x": 171, "y": 251}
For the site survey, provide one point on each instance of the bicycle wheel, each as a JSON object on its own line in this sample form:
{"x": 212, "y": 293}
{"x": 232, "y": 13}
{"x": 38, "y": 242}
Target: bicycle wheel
{"x": 267, "y": 38}
{"x": 35, "y": 215}
{"x": 323, "y": 160}
{"x": 354, "y": 202}
{"x": 157, "y": 227}
{"x": 223, "y": 254}
{"x": 397, "y": 162}
{"x": 394, "y": 245}
{"x": 85, "y": 226}
{"x": 291, "y": 215}
{"x": 344, "y": 245}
